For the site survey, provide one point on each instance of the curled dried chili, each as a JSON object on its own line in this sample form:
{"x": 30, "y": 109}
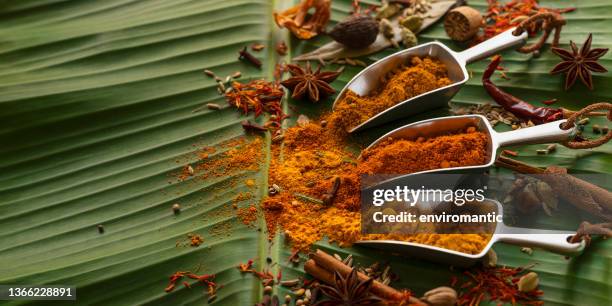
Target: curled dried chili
{"x": 516, "y": 106}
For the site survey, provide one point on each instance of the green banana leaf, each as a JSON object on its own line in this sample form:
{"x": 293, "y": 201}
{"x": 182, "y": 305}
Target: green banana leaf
{"x": 96, "y": 112}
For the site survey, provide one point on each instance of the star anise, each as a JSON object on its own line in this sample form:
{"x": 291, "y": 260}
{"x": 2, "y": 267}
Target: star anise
{"x": 348, "y": 291}
{"x": 579, "y": 63}
{"x": 304, "y": 82}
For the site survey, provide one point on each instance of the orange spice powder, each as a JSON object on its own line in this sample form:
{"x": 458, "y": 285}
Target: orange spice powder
{"x": 312, "y": 157}
{"x": 420, "y": 76}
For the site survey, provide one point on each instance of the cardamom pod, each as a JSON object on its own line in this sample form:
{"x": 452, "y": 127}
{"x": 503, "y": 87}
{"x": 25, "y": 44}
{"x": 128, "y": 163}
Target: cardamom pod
{"x": 388, "y": 10}
{"x": 413, "y": 23}
{"x": 441, "y": 296}
{"x": 490, "y": 259}
{"x": 528, "y": 282}
{"x": 408, "y": 38}
{"x": 386, "y": 28}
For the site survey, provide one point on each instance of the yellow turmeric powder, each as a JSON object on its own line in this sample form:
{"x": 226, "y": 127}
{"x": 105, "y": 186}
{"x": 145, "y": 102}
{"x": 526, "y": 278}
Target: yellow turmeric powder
{"x": 313, "y": 157}
{"x": 421, "y": 76}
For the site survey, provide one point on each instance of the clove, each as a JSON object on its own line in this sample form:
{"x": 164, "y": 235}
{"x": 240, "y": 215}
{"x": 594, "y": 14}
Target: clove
{"x": 252, "y": 127}
{"x": 245, "y": 55}
{"x": 329, "y": 197}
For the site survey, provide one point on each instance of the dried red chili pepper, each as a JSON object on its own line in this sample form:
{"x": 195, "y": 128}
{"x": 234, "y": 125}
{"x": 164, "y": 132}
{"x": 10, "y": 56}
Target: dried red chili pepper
{"x": 496, "y": 284}
{"x": 246, "y": 267}
{"x": 515, "y": 105}
{"x": 177, "y": 276}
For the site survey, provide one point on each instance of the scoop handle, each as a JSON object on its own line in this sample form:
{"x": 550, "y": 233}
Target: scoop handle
{"x": 543, "y": 133}
{"x": 550, "y": 240}
{"x": 493, "y": 45}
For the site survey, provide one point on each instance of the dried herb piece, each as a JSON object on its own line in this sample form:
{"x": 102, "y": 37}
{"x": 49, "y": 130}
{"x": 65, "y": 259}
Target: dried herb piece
{"x": 257, "y": 46}
{"x": 348, "y": 291}
{"x": 258, "y": 96}
{"x": 515, "y": 105}
{"x": 281, "y": 48}
{"x": 245, "y": 55}
{"x": 252, "y": 127}
{"x": 305, "y": 82}
{"x": 302, "y": 24}
{"x": 497, "y": 285}
{"x": 503, "y": 15}
{"x": 440, "y": 296}
{"x": 579, "y": 63}
{"x": 328, "y": 198}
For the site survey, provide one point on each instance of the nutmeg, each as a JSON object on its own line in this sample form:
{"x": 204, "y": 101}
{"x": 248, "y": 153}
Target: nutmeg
{"x": 462, "y": 23}
{"x": 356, "y": 32}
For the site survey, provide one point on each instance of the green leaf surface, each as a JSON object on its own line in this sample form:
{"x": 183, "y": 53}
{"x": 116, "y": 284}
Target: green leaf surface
{"x": 96, "y": 101}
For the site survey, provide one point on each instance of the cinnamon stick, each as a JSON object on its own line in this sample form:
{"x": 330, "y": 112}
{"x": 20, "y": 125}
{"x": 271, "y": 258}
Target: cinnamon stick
{"x": 582, "y": 194}
{"x": 321, "y": 265}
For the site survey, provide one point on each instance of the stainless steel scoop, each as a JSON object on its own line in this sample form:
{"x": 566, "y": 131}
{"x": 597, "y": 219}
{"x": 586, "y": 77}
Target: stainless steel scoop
{"x": 369, "y": 78}
{"x": 551, "y": 240}
{"x": 543, "y": 133}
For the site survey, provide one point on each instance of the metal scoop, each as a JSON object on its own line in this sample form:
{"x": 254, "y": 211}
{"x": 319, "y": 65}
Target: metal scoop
{"x": 551, "y": 240}
{"x": 370, "y": 78}
{"x": 543, "y": 133}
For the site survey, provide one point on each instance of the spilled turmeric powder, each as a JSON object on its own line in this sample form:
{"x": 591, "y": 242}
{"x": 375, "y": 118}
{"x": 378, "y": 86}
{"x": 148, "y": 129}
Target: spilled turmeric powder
{"x": 420, "y": 76}
{"x": 312, "y": 157}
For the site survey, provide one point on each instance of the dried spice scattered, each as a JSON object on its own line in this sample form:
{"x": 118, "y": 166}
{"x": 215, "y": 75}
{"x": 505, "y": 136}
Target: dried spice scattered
{"x": 307, "y": 83}
{"x": 205, "y": 279}
{"x": 586, "y": 229}
{"x": 258, "y": 96}
{"x": 195, "y": 240}
{"x": 227, "y": 158}
{"x": 420, "y": 75}
{"x": 265, "y": 276}
{"x": 495, "y": 114}
{"x": 249, "y": 126}
{"x": 441, "y": 296}
{"x": 176, "y": 208}
{"x": 247, "y": 215}
{"x": 579, "y": 63}
{"x": 313, "y": 159}
{"x": 582, "y": 194}
{"x": 348, "y": 290}
{"x": 501, "y": 16}
{"x": 257, "y": 46}
{"x": 518, "y": 107}
{"x": 497, "y": 284}
{"x": 302, "y": 24}
{"x": 528, "y": 112}
{"x": 345, "y": 284}
{"x": 245, "y": 55}
{"x": 281, "y": 48}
